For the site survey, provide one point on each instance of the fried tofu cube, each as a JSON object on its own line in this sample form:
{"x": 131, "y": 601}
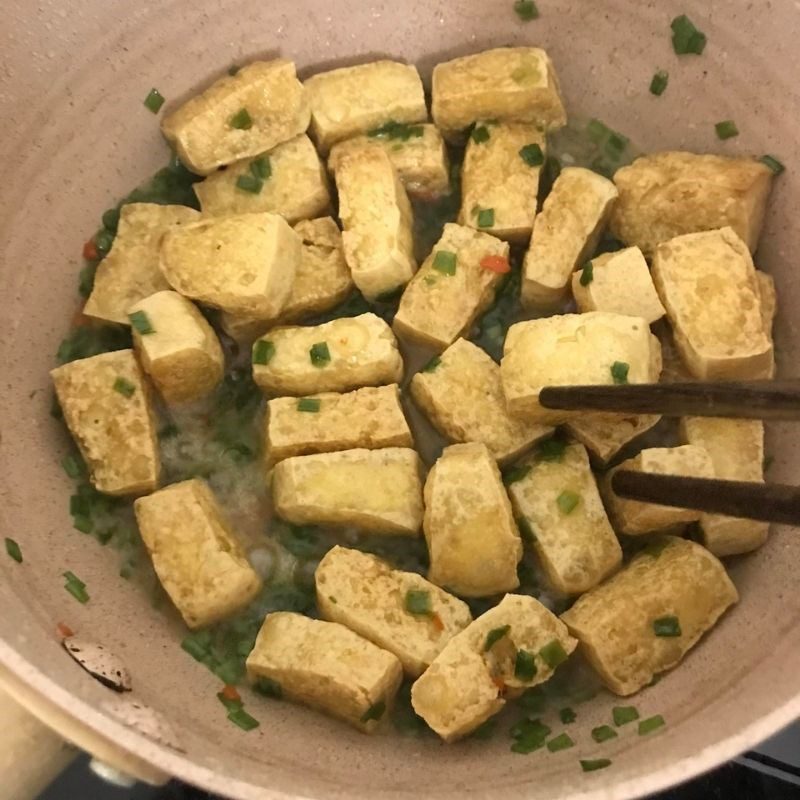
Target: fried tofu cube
{"x": 130, "y": 271}
{"x": 736, "y": 448}
{"x": 377, "y": 221}
{"x": 352, "y": 100}
{"x": 177, "y": 347}
{"x": 375, "y": 490}
{"x": 634, "y": 517}
{"x": 605, "y": 435}
{"x": 398, "y": 611}
{"x": 501, "y": 174}
{"x": 243, "y": 264}
{"x": 451, "y": 289}
{"x": 462, "y": 397}
{"x": 370, "y": 418}
{"x": 468, "y": 680}
{"x": 326, "y": 666}
{"x": 239, "y": 116}
{"x": 618, "y": 282}
{"x": 336, "y": 356}
{"x": 473, "y": 541}
{"x": 565, "y": 234}
{"x": 664, "y": 195}
{"x": 417, "y": 152}
{"x": 289, "y": 180}
{"x": 108, "y": 410}
{"x": 708, "y": 285}
{"x": 197, "y": 556}
{"x": 509, "y": 84}
{"x": 574, "y": 349}
{"x": 674, "y": 586}
{"x": 557, "y": 501}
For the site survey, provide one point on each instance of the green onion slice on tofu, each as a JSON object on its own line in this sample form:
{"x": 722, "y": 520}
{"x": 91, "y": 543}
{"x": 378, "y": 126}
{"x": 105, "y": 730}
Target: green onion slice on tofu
{"x": 241, "y": 120}
{"x": 432, "y": 364}
{"x": 319, "y": 354}
{"x": 374, "y": 712}
{"x": 773, "y": 163}
{"x": 154, "y": 101}
{"x": 603, "y": 733}
{"x": 619, "y": 372}
{"x": 526, "y": 10}
{"x": 659, "y": 82}
{"x": 124, "y": 387}
{"x": 651, "y": 724}
{"x": 532, "y": 155}
{"x": 263, "y": 351}
{"x": 593, "y": 764}
{"x": 397, "y": 131}
{"x": 726, "y": 129}
{"x": 515, "y": 474}
{"x": 525, "y": 665}
{"x": 13, "y": 550}
{"x": 587, "y": 274}
{"x": 418, "y": 601}
{"x": 309, "y": 404}
{"x": 551, "y": 449}
{"x": 445, "y": 262}
{"x": 669, "y": 626}
{"x": 494, "y": 636}
{"x": 561, "y": 742}
{"x": 553, "y": 654}
{"x": 486, "y": 218}
{"x": 686, "y": 38}
{"x": 567, "y": 715}
{"x": 480, "y": 134}
{"x": 568, "y": 501}
{"x": 249, "y": 183}
{"x": 622, "y": 715}
{"x": 240, "y": 718}
{"x": 261, "y": 167}
{"x": 140, "y": 322}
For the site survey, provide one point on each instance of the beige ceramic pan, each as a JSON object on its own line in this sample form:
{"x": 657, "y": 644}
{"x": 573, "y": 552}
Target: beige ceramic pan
{"x": 74, "y": 137}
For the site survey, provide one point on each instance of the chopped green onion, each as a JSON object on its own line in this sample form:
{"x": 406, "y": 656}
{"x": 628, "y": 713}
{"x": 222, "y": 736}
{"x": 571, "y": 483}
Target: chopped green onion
{"x": 551, "y": 449}
{"x": 268, "y": 688}
{"x": 103, "y": 241}
{"x": 432, "y": 364}
{"x": 532, "y": 155}
{"x": 603, "y": 733}
{"x": 233, "y": 69}
{"x": 263, "y": 351}
{"x": 515, "y": 474}
{"x": 529, "y": 735}
{"x": 249, "y": 183}
{"x": 73, "y": 466}
{"x": 319, "y": 354}
{"x": 397, "y": 130}
{"x": 194, "y": 648}
{"x": 486, "y": 218}
{"x": 726, "y": 129}
{"x": 525, "y": 666}
{"x": 231, "y": 705}
{"x": 615, "y": 144}
{"x": 261, "y": 167}
{"x": 587, "y": 274}
{"x": 82, "y": 523}
{"x": 141, "y": 322}
{"x": 480, "y": 134}
{"x": 596, "y": 130}
{"x": 561, "y": 742}
{"x": 553, "y": 654}
{"x": 593, "y": 764}
{"x": 445, "y": 262}
{"x": 525, "y": 530}
{"x": 309, "y": 404}
{"x": 622, "y": 715}
{"x": 651, "y": 724}
{"x": 567, "y": 715}
{"x": 418, "y": 601}
{"x": 659, "y": 82}
{"x": 374, "y": 712}
{"x": 669, "y": 626}
{"x": 686, "y": 38}
{"x": 494, "y": 636}
{"x": 773, "y": 163}
{"x": 124, "y": 387}
{"x": 568, "y": 501}
{"x": 242, "y": 719}
{"x": 154, "y": 101}
{"x": 76, "y": 587}
{"x": 12, "y": 548}
{"x": 241, "y": 120}
{"x": 526, "y": 10}
{"x": 619, "y": 372}
{"x": 111, "y": 219}
{"x": 485, "y": 730}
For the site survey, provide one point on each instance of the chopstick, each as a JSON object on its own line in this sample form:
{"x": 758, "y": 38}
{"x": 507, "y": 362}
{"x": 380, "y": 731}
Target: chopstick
{"x": 759, "y": 501}
{"x": 769, "y": 400}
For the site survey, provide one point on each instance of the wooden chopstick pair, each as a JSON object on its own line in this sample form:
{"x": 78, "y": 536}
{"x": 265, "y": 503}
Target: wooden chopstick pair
{"x": 764, "y": 400}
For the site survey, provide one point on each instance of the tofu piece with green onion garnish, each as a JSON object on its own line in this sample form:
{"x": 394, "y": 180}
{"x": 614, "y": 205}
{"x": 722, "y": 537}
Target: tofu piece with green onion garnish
{"x": 370, "y": 418}
{"x": 454, "y": 286}
{"x": 635, "y": 518}
{"x": 398, "y": 611}
{"x": 473, "y": 541}
{"x": 604, "y": 435}
{"x": 417, "y": 152}
{"x": 500, "y": 179}
{"x": 769, "y": 308}
{"x": 373, "y": 490}
{"x": 707, "y": 283}
{"x": 377, "y": 221}
{"x": 509, "y": 84}
{"x": 108, "y": 408}
{"x": 618, "y": 282}
{"x": 597, "y": 348}
{"x": 326, "y": 666}
{"x": 557, "y": 504}
{"x": 736, "y": 448}
{"x": 664, "y": 195}
{"x": 243, "y": 264}
{"x": 239, "y": 116}
{"x": 198, "y": 557}
{"x": 321, "y": 282}
{"x": 130, "y": 272}
{"x": 565, "y": 234}
{"x": 336, "y": 356}
{"x": 461, "y": 395}
{"x": 289, "y": 180}
{"x": 349, "y": 101}
{"x": 176, "y": 347}
{"x": 645, "y": 619}
{"x": 515, "y": 645}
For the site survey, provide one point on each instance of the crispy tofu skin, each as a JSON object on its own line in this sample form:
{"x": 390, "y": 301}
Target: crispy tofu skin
{"x": 352, "y": 100}
{"x": 467, "y": 683}
{"x": 736, "y": 447}
{"x": 509, "y": 84}
{"x": 108, "y": 410}
{"x": 614, "y": 621}
{"x": 207, "y": 133}
{"x": 668, "y": 194}
{"x": 708, "y": 285}
{"x": 362, "y": 349}
{"x": 439, "y": 306}
{"x": 296, "y": 188}
{"x": 473, "y": 541}
{"x": 605, "y": 435}
{"x": 463, "y": 399}
{"x": 364, "y": 593}
{"x": 577, "y": 549}
{"x": 377, "y": 221}
{"x": 495, "y": 176}
{"x": 181, "y": 353}
{"x": 573, "y": 349}
{"x": 620, "y": 283}
{"x": 565, "y": 234}
{"x": 243, "y": 264}
{"x": 635, "y": 518}
{"x": 370, "y": 418}
{"x": 326, "y": 666}
{"x": 197, "y": 556}
{"x": 375, "y": 490}
{"x": 130, "y": 271}
{"x": 421, "y": 160}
